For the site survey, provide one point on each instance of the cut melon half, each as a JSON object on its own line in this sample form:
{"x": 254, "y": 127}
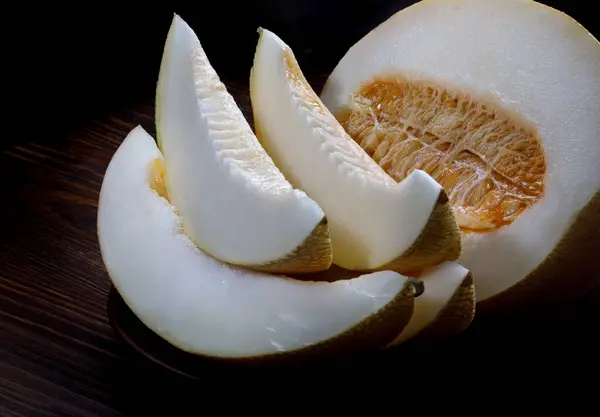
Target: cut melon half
{"x": 235, "y": 204}
{"x": 209, "y": 308}
{"x": 375, "y": 222}
{"x": 446, "y": 307}
{"x": 499, "y": 101}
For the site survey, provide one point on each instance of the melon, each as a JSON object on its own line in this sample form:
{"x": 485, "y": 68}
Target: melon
{"x": 446, "y": 307}
{"x": 499, "y": 102}
{"x": 235, "y": 203}
{"x": 375, "y": 222}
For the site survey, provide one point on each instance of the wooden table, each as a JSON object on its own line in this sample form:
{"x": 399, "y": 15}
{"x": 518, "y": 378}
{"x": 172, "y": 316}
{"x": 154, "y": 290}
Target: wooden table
{"x": 58, "y": 354}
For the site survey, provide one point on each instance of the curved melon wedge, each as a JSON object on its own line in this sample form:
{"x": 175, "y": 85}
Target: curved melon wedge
{"x": 446, "y": 307}
{"x": 235, "y": 204}
{"x": 209, "y": 308}
{"x": 375, "y": 223}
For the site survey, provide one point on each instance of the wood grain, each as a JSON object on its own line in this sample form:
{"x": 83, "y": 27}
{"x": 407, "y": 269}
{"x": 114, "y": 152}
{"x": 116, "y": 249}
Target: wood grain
{"x": 58, "y": 355}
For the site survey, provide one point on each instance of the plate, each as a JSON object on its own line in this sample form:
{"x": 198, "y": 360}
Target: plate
{"x": 147, "y": 343}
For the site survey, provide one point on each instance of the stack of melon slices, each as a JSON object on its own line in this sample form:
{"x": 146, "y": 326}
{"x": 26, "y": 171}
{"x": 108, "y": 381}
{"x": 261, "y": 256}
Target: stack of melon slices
{"x": 452, "y": 159}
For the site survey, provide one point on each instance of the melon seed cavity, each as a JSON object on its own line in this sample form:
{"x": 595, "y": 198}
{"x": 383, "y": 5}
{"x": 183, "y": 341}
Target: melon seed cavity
{"x": 490, "y": 162}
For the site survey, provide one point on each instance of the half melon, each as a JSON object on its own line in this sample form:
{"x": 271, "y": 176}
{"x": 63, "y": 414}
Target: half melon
{"x": 499, "y": 101}
{"x": 235, "y": 203}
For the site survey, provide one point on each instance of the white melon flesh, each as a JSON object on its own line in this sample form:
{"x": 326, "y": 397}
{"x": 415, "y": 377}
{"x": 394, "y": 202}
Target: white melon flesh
{"x": 374, "y": 221}
{"x": 234, "y": 202}
{"x": 442, "y": 283}
{"x": 206, "y": 307}
{"x": 525, "y": 65}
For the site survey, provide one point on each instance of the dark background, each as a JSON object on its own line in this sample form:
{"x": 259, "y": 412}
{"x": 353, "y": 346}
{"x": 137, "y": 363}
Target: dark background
{"x": 65, "y": 64}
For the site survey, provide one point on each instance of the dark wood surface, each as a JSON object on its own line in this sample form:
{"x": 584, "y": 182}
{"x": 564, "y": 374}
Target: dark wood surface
{"x": 58, "y": 354}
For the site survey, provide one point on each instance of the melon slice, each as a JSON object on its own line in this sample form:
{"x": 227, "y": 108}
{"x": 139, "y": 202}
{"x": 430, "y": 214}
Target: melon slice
{"x": 206, "y": 307}
{"x": 375, "y": 222}
{"x": 446, "y": 307}
{"x": 499, "y": 101}
{"x": 235, "y": 204}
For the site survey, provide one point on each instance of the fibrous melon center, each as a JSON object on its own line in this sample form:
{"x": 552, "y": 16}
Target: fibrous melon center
{"x": 489, "y": 161}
